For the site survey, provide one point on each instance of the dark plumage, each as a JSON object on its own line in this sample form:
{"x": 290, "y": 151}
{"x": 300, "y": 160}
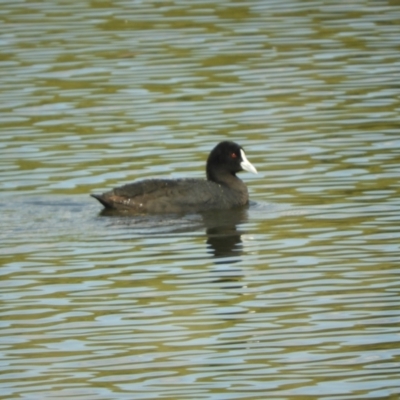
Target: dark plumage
{"x": 222, "y": 189}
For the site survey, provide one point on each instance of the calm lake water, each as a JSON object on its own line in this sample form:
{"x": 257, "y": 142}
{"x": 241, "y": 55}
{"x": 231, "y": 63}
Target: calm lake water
{"x": 296, "y": 297}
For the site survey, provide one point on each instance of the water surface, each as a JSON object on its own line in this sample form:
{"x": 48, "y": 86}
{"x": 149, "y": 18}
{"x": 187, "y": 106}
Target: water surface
{"x": 296, "y": 297}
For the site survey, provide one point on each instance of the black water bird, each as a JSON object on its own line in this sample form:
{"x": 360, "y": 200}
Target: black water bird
{"x": 221, "y": 191}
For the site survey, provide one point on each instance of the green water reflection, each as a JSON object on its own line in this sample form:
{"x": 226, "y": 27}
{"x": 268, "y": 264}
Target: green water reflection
{"x": 297, "y": 297}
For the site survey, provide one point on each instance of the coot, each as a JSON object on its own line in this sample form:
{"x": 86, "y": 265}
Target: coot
{"x": 222, "y": 190}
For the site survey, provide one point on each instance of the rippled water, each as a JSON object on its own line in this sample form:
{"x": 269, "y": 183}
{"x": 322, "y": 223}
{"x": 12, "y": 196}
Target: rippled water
{"x": 296, "y": 297}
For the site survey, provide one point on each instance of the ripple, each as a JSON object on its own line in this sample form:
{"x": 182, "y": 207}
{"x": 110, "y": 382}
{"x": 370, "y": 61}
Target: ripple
{"x": 295, "y": 296}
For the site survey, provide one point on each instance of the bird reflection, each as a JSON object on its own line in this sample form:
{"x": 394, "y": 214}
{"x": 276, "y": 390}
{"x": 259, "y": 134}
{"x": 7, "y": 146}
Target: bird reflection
{"x": 223, "y": 237}
{"x": 221, "y": 227}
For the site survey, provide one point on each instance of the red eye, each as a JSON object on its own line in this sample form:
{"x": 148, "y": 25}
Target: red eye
{"x": 233, "y": 155}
